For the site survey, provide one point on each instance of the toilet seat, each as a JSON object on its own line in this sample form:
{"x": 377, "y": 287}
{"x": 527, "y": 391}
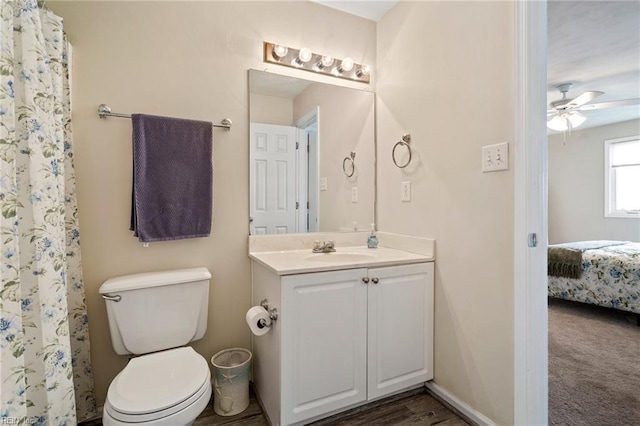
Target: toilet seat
{"x": 154, "y": 386}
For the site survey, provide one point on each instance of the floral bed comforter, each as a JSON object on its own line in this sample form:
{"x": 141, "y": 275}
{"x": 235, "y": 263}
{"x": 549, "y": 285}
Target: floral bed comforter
{"x": 610, "y": 277}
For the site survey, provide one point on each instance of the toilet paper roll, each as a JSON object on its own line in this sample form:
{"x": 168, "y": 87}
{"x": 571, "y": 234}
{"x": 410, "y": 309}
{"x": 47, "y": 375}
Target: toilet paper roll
{"x": 254, "y": 315}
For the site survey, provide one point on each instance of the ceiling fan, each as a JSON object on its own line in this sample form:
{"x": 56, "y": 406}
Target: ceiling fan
{"x": 565, "y": 113}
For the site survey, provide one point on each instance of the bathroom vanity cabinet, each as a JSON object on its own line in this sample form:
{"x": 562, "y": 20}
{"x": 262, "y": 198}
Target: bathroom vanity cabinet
{"x": 342, "y": 338}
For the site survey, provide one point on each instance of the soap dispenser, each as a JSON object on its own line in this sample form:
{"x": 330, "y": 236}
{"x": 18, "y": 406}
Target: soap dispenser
{"x": 372, "y": 241}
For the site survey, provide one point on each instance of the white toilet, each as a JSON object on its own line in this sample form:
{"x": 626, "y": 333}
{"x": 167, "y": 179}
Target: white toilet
{"x": 157, "y": 314}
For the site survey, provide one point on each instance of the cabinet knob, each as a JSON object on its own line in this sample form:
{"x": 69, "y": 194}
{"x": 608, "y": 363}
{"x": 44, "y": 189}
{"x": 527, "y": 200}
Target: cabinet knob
{"x": 365, "y": 280}
{"x": 374, "y": 280}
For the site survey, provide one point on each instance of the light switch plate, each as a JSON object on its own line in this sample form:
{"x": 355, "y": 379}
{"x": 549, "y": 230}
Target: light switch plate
{"x": 495, "y": 157}
{"x": 323, "y": 184}
{"x": 354, "y": 194}
{"x": 405, "y": 191}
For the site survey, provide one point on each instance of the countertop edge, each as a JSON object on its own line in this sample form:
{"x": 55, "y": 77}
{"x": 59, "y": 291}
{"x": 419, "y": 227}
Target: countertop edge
{"x": 334, "y": 267}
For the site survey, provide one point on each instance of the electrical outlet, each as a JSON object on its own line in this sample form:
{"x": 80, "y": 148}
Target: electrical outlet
{"x": 354, "y": 194}
{"x": 495, "y": 157}
{"x": 405, "y": 191}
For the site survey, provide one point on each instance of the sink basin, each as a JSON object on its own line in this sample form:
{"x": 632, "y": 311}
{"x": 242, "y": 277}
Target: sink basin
{"x": 302, "y": 260}
{"x": 339, "y": 257}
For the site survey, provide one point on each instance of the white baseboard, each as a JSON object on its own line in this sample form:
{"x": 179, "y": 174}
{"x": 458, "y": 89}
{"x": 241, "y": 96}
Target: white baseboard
{"x": 474, "y": 416}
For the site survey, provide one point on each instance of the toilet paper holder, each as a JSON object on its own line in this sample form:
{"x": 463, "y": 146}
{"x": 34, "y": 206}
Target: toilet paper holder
{"x": 273, "y": 314}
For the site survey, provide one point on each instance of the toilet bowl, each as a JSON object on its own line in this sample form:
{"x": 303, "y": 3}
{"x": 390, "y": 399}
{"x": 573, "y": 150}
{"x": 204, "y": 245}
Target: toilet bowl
{"x": 165, "y": 388}
{"x": 154, "y": 315}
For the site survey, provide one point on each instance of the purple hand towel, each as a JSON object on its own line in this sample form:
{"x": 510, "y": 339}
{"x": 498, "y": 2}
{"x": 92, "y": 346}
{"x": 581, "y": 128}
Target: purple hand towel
{"x": 172, "y": 178}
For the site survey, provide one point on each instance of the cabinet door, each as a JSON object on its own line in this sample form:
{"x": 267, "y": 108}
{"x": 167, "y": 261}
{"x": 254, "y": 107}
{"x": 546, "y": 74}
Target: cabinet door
{"x": 400, "y": 349}
{"x": 324, "y": 343}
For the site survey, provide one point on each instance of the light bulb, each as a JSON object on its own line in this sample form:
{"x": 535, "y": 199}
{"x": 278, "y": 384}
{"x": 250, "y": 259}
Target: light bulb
{"x": 576, "y": 119}
{"x": 325, "y": 61}
{"x": 566, "y": 120}
{"x": 558, "y": 123}
{"x": 280, "y": 51}
{"x": 346, "y": 65}
{"x": 364, "y": 71}
{"x": 305, "y": 55}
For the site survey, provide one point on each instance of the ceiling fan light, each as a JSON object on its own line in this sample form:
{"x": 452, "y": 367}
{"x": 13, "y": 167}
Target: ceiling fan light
{"x": 558, "y": 123}
{"x": 576, "y": 119}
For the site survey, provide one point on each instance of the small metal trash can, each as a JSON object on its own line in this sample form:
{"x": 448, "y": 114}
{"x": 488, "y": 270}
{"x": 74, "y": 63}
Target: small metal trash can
{"x": 231, "y": 381}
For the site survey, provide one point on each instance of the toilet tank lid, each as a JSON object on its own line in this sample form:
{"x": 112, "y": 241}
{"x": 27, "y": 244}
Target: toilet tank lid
{"x": 154, "y": 279}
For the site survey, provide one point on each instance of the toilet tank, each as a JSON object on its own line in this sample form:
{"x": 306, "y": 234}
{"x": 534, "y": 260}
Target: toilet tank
{"x": 155, "y": 311}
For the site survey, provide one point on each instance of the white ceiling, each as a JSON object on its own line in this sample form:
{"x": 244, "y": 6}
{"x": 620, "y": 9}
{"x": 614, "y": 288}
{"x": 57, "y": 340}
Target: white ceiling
{"x": 372, "y": 9}
{"x": 596, "y": 46}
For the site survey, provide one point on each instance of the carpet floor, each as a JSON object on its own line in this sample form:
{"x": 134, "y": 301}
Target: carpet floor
{"x": 594, "y": 367}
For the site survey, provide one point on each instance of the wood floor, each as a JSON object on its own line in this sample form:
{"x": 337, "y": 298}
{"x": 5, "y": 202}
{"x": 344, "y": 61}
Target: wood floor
{"x": 415, "y": 407}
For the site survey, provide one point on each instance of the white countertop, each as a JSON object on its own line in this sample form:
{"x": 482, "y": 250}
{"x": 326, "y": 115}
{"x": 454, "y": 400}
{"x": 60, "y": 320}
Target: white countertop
{"x": 287, "y": 262}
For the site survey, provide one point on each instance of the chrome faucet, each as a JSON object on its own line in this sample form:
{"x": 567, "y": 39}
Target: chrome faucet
{"x": 324, "y": 247}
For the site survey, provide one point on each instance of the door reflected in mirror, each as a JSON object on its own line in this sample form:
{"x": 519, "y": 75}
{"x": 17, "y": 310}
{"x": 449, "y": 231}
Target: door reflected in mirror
{"x": 312, "y": 156}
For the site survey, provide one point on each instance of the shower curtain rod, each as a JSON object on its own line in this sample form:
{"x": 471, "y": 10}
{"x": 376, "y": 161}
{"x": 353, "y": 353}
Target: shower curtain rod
{"x": 104, "y": 111}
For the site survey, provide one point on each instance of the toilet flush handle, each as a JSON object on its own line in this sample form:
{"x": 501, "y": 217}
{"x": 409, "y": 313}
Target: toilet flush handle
{"x": 115, "y": 298}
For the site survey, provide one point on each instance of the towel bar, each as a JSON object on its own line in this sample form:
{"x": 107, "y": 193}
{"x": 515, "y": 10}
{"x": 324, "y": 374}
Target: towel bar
{"x": 104, "y": 111}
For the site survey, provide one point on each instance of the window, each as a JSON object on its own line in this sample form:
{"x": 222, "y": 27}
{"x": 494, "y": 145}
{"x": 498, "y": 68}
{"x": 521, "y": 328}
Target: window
{"x": 622, "y": 177}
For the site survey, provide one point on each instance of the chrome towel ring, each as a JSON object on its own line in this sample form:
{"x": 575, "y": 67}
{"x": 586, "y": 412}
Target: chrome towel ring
{"x": 345, "y": 164}
{"x": 406, "y": 139}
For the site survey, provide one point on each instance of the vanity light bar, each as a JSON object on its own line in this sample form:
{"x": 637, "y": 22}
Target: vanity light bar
{"x": 305, "y": 59}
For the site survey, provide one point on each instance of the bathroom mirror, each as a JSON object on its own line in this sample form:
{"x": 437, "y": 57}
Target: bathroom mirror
{"x": 312, "y": 156}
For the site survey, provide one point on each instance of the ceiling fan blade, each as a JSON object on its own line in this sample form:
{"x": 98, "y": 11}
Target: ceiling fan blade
{"x": 611, "y": 104}
{"x": 583, "y": 99}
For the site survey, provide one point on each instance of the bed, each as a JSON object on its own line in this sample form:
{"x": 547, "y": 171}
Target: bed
{"x": 608, "y": 273}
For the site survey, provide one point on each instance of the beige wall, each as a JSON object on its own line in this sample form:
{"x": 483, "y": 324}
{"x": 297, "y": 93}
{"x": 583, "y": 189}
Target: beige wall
{"x": 346, "y": 124}
{"x": 271, "y": 110}
{"x": 576, "y": 186}
{"x": 444, "y": 73}
{"x": 446, "y": 76}
{"x": 183, "y": 59}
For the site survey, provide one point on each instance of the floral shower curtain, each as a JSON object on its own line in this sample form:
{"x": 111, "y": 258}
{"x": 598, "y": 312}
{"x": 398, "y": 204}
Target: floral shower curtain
{"x": 45, "y": 372}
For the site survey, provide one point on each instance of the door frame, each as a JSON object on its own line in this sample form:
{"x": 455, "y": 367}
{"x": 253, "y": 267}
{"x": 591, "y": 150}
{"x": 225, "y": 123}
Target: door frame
{"x": 310, "y": 118}
{"x": 530, "y": 216}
